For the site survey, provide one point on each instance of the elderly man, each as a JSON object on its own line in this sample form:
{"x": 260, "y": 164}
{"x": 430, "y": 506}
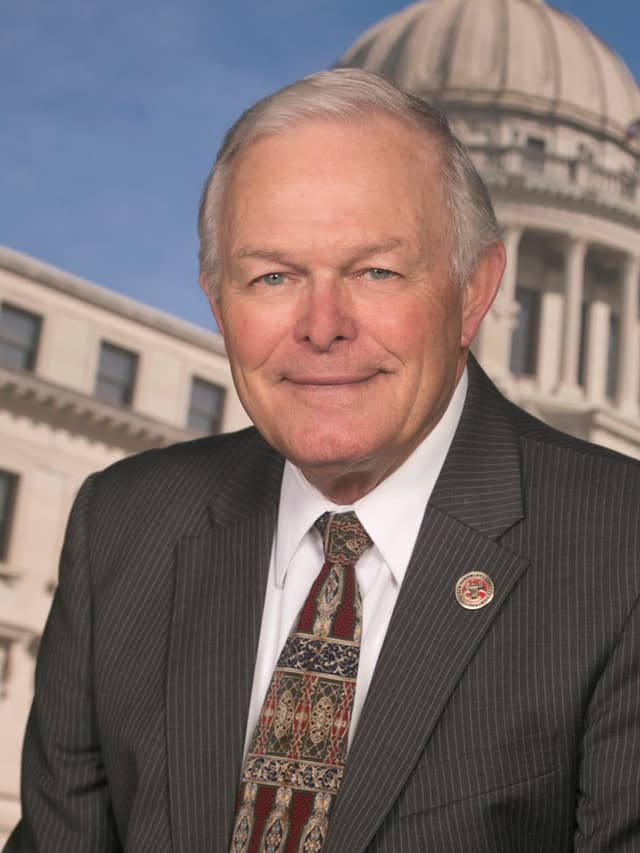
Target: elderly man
{"x": 400, "y": 614}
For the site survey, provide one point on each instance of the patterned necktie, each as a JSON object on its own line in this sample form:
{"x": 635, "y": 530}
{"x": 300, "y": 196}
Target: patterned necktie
{"x": 295, "y": 763}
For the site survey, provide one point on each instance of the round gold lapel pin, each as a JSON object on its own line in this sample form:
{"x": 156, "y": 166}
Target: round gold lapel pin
{"x": 474, "y": 590}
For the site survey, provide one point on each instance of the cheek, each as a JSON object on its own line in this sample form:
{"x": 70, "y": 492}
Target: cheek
{"x": 424, "y": 331}
{"x": 249, "y": 335}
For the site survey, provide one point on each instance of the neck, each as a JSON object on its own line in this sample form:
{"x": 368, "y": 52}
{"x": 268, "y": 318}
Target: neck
{"x": 343, "y": 491}
{"x": 344, "y": 485}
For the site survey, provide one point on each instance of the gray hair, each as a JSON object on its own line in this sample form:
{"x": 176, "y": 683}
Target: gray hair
{"x": 343, "y": 94}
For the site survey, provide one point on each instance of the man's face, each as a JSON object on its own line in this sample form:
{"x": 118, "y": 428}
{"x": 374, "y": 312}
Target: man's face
{"x": 345, "y": 334}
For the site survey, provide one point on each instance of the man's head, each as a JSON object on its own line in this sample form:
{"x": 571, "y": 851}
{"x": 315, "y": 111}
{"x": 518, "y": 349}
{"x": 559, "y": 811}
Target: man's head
{"x": 351, "y": 95}
{"x": 349, "y": 251}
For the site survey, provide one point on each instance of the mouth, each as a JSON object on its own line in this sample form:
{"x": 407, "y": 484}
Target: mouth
{"x": 330, "y": 381}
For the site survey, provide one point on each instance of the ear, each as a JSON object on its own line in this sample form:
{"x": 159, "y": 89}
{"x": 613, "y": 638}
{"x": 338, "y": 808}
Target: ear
{"x": 213, "y": 302}
{"x": 480, "y": 290}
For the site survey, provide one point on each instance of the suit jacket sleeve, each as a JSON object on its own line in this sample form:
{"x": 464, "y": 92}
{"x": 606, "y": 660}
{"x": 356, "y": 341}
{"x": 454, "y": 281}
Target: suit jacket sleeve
{"x": 65, "y": 797}
{"x": 608, "y": 804}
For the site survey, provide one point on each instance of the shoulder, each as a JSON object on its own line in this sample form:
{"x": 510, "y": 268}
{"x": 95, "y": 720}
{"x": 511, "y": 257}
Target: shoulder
{"x": 172, "y": 487}
{"x": 511, "y": 465}
{"x": 547, "y": 453}
{"x": 582, "y": 507}
{"x": 573, "y": 467}
{"x": 196, "y": 460}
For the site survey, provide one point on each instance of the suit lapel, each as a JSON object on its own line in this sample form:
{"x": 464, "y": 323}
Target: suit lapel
{"x": 429, "y": 644}
{"x": 219, "y": 591}
{"x": 431, "y": 639}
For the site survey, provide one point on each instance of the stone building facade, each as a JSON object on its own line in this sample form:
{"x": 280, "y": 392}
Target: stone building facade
{"x": 86, "y": 377}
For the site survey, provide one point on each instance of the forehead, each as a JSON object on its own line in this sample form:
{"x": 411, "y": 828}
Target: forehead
{"x": 321, "y": 170}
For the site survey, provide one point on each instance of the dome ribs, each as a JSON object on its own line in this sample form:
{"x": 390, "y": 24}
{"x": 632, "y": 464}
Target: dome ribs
{"x": 520, "y": 56}
{"x": 587, "y": 40}
{"x": 504, "y": 45}
{"x": 553, "y": 50}
{"x": 450, "y": 43}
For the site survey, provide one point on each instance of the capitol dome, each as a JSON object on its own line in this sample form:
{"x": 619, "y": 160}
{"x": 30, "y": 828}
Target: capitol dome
{"x": 514, "y": 54}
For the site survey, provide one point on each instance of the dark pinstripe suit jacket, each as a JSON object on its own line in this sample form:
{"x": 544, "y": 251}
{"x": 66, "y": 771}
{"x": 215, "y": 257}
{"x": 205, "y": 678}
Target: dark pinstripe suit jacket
{"x": 511, "y": 728}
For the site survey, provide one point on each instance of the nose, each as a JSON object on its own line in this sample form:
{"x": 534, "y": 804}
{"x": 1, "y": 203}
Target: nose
{"x": 326, "y": 314}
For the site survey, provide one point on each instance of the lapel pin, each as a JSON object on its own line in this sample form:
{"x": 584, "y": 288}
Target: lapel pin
{"x": 474, "y": 590}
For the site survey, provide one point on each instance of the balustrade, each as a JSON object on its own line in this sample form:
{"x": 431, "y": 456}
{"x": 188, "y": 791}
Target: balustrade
{"x": 558, "y": 173}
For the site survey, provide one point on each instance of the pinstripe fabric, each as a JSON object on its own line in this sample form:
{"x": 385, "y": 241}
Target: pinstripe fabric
{"x": 518, "y": 725}
{"x": 147, "y": 660}
{"x": 511, "y": 728}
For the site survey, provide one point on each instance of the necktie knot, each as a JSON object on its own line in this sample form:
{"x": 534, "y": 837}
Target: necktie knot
{"x": 344, "y": 539}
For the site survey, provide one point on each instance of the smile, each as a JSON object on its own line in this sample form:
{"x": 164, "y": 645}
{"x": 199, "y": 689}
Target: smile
{"x": 329, "y": 381}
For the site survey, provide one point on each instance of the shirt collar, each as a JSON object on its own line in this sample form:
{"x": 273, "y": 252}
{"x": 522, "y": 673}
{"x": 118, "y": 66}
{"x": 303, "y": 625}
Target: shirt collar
{"x": 407, "y": 490}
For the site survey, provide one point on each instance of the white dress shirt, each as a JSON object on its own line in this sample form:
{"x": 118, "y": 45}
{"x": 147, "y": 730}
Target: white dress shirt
{"x": 391, "y": 514}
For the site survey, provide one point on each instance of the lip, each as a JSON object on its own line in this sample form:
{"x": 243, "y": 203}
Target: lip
{"x": 329, "y": 381}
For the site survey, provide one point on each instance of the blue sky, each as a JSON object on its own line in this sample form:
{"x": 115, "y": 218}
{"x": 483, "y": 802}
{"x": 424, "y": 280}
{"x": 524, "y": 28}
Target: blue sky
{"x": 112, "y": 113}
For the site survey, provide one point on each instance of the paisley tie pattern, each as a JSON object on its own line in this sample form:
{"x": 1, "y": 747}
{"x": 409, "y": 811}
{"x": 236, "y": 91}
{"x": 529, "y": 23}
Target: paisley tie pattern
{"x": 295, "y": 763}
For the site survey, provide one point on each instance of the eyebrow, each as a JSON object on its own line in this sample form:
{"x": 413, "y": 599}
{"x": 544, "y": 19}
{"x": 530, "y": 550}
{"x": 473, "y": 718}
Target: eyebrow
{"x": 267, "y": 254}
{"x": 360, "y": 251}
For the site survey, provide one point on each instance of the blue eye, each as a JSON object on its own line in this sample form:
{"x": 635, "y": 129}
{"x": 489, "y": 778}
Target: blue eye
{"x": 272, "y": 278}
{"x": 378, "y": 274}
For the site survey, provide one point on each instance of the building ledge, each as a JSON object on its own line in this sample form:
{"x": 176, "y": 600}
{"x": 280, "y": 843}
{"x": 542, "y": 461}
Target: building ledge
{"x": 621, "y": 424}
{"x": 607, "y": 193}
{"x": 137, "y": 312}
{"x": 24, "y": 394}
{"x": 578, "y": 416}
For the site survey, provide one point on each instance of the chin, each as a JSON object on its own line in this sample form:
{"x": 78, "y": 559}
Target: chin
{"x": 338, "y": 457}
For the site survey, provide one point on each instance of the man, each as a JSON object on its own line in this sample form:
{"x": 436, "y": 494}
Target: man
{"x": 349, "y": 252}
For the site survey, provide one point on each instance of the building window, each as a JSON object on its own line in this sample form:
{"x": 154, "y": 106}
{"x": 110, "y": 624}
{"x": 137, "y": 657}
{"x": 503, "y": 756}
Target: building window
{"x": 5, "y": 661}
{"x": 8, "y": 486}
{"x": 535, "y": 143}
{"x": 116, "y": 374}
{"x": 524, "y": 341}
{"x": 534, "y": 154}
{"x": 19, "y": 336}
{"x": 582, "y": 352}
{"x": 585, "y": 153}
{"x": 612, "y": 357}
{"x": 12, "y": 639}
{"x": 205, "y": 407}
{"x": 628, "y": 186}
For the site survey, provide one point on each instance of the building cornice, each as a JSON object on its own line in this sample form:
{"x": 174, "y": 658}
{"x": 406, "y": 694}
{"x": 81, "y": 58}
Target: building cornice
{"x": 579, "y": 417}
{"x": 626, "y": 426}
{"x": 137, "y": 312}
{"x": 613, "y": 195}
{"x": 24, "y": 394}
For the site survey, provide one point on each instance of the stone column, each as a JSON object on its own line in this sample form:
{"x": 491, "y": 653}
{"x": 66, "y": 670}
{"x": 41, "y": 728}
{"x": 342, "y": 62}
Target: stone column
{"x": 494, "y": 339}
{"x": 574, "y": 286}
{"x": 597, "y": 351}
{"x": 511, "y": 236}
{"x": 628, "y": 385}
{"x": 549, "y": 341}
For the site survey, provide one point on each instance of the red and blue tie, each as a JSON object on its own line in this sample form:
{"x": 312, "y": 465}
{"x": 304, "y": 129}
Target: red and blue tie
{"x": 295, "y": 763}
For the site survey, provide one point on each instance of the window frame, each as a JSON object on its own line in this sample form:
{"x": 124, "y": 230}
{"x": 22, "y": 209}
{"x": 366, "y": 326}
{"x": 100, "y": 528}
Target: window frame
{"x": 215, "y": 419}
{"x": 613, "y": 345}
{"x": 531, "y": 343}
{"x": 31, "y": 349}
{"x": 110, "y": 380}
{"x": 7, "y": 511}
